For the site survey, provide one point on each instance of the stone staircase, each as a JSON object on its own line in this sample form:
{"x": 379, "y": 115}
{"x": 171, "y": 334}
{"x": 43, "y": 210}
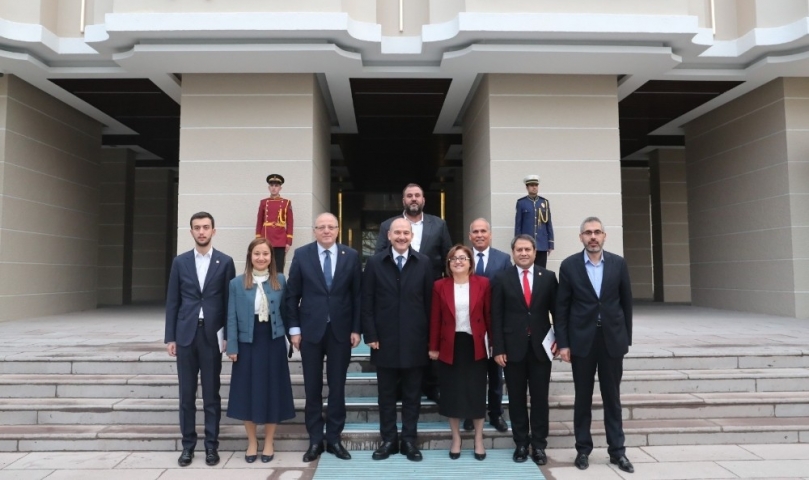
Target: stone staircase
{"x": 75, "y": 401}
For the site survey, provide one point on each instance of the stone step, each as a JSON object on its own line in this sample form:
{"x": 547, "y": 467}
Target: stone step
{"x": 157, "y": 362}
{"x": 138, "y": 411}
{"x": 293, "y": 437}
{"x": 363, "y": 384}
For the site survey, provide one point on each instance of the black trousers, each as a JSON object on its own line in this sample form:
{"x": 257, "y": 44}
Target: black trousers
{"x": 541, "y": 258}
{"x": 280, "y": 256}
{"x": 337, "y": 357}
{"x": 388, "y": 381}
{"x": 610, "y": 371}
{"x": 529, "y": 374}
{"x": 203, "y": 359}
{"x": 495, "y": 392}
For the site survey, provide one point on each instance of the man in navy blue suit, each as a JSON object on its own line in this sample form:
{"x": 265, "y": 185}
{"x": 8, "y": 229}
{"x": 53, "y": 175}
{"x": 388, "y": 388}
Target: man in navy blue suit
{"x": 196, "y": 309}
{"x": 488, "y": 262}
{"x": 322, "y": 304}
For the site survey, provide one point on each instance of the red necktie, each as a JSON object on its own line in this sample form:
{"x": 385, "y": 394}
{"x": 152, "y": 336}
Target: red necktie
{"x": 526, "y": 288}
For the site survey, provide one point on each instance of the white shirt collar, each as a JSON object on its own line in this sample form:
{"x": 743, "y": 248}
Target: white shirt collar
{"x": 199, "y": 255}
{"x": 420, "y": 221}
{"x": 332, "y": 249}
{"x": 484, "y": 252}
{"x": 587, "y": 259}
{"x": 395, "y": 254}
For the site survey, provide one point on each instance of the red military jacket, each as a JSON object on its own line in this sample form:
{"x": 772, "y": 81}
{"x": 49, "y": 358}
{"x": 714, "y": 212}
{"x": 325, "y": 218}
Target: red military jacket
{"x": 274, "y": 221}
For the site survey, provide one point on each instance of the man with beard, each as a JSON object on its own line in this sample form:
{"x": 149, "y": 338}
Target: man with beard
{"x": 196, "y": 309}
{"x": 430, "y": 238}
{"x": 397, "y": 289}
{"x": 594, "y": 332}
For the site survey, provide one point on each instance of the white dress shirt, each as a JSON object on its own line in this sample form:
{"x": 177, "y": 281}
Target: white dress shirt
{"x": 202, "y": 262}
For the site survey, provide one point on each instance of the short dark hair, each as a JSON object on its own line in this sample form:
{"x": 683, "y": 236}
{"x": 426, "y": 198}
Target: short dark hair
{"x": 200, "y": 216}
{"x": 523, "y": 237}
{"x": 411, "y": 185}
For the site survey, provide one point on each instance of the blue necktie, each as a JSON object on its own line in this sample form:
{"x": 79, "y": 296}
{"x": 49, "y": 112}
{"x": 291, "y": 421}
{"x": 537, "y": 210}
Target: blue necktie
{"x": 479, "y": 268}
{"x": 327, "y": 268}
{"x": 399, "y": 263}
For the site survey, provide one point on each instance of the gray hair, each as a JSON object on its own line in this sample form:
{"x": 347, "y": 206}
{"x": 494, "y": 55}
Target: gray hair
{"x": 481, "y": 219}
{"x": 591, "y": 219}
{"x": 523, "y": 237}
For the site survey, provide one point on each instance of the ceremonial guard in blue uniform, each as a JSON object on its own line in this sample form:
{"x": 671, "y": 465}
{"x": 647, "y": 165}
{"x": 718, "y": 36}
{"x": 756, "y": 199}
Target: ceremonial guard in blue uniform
{"x": 534, "y": 218}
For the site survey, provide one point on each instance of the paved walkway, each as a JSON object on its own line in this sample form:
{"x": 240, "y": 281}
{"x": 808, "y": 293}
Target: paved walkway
{"x": 663, "y": 331}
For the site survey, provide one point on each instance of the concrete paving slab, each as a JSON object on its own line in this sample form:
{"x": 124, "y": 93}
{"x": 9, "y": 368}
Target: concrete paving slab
{"x": 24, "y": 475}
{"x": 797, "y": 451}
{"x": 698, "y": 453}
{"x": 677, "y": 471}
{"x": 8, "y": 458}
{"x": 595, "y": 472}
{"x": 152, "y": 474}
{"x": 768, "y": 468}
{"x": 167, "y": 460}
{"x": 68, "y": 460}
{"x": 182, "y": 474}
{"x": 282, "y": 460}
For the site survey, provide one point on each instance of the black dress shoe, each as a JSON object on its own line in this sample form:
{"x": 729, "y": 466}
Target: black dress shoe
{"x": 520, "y": 454}
{"x": 623, "y": 463}
{"x": 267, "y": 458}
{"x": 313, "y": 453}
{"x": 581, "y": 461}
{"x": 338, "y": 450}
{"x": 250, "y": 458}
{"x": 385, "y": 450}
{"x": 454, "y": 455}
{"x": 411, "y": 451}
{"x": 480, "y": 456}
{"x": 468, "y": 425}
{"x": 211, "y": 457}
{"x": 499, "y": 424}
{"x": 185, "y": 457}
{"x": 538, "y": 456}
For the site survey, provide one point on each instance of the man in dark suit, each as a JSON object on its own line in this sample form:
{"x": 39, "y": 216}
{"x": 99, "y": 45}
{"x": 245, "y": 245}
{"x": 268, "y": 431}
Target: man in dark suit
{"x": 196, "y": 310}
{"x": 523, "y": 299}
{"x": 322, "y": 304}
{"x": 489, "y": 262}
{"x": 430, "y": 238}
{"x": 397, "y": 289}
{"x": 594, "y": 332}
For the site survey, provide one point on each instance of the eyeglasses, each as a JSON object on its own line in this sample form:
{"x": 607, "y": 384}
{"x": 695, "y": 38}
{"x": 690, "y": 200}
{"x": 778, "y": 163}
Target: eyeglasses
{"x": 330, "y": 228}
{"x": 458, "y": 259}
{"x": 590, "y": 233}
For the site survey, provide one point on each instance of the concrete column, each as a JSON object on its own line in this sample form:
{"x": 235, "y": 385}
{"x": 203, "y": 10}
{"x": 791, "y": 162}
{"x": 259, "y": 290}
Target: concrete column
{"x": 672, "y": 267}
{"x": 152, "y": 236}
{"x": 561, "y": 127}
{"x": 49, "y": 204}
{"x": 748, "y": 208}
{"x": 637, "y": 230}
{"x": 116, "y": 227}
{"x": 237, "y": 129}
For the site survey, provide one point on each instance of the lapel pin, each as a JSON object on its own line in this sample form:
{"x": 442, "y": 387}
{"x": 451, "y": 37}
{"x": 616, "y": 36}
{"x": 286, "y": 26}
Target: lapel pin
{"x": 217, "y": 261}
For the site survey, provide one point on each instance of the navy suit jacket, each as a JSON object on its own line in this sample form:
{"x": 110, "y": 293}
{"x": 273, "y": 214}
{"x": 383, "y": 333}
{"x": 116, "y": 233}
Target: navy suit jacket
{"x": 435, "y": 241}
{"x": 578, "y": 306}
{"x": 498, "y": 261}
{"x": 309, "y": 303}
{"x": 184, "y": 297}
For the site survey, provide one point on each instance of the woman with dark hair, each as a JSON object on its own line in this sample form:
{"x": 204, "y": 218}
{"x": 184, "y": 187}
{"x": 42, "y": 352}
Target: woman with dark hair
{"x": 459, "y": 323}
{"x": 260, "y": 387}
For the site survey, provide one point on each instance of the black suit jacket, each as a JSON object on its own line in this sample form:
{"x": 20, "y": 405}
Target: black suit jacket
{"x": 308, "y": 303}
{"x": 435, "y": 241}
{"x": 396, "y": 309}
{"x": 578, "y": 306}
{"x": 511, "y": 317}
{"x": 184, "y": 297}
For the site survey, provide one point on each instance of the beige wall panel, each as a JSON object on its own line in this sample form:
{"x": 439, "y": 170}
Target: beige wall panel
{"x": 148, "y": 280}
{"x": 235, "y": 210}
{"x": 222, "y": 178}
{"x": 671, "y": 192}
{"x": 763, "y": 96}
{"x": 765, "y": 214}
{"x": 39, "y": 305}
{"x": 776, "y": 14}
{"x": 675, "y": 212}
{"x": 545, "y": 111}
{"x": 43, "y": 188}
{"x": 798, "y": 145}
{"x": 149, "y": 257}
{"x": 674, "y": 294}
{"x": 3, "y": 108}
{"x": 801, "y": 305}
{"x": 19, "y": 279}
{"x": 600, "y": 176}
{"x": 772, "y": 275}
{"x": 25, "y": 216}
{"x": 676, "y": 254}
{"x": 799, "y": 177}
{"x": 109, "y": 296}
{"x": 110, "y": 257}
{"x": 768, "y": 182}
{"x": 153, "y": 241}
{"x": 754, "y": 156}
{"x": 33, "y": 155}
{"x": 245, "y": 144}
{"x": 674, "y": 233}
{"x": 676, "y": 275}
{"x": 771, "y": 303}
{"x": 537, "y": 144}
{"x": 797, "y": 113}
{"x": 672, "y": 164}
{"x": 253, "y": 111}
{"x": 799, "y": 205}
{"x": 247, "y": 84}
{"x": 801, "y": 275}
{"x": 553, "y": 85}
{"x": 638, "y": 256}
{"x": 795, "y": 87}
{"x": 109, "y": 234}
{"x": 766, "y": 245}
{"x": 764, "y": 122}
{"x": 30, "y": 96}
{"x": 636, "y": 210}
{"x": 25, "y": 247}
{"x": 631, "y": 237}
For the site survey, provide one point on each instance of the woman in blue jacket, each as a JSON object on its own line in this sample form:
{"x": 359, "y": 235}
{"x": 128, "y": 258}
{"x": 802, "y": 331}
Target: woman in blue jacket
{"x": 260, "y": 387}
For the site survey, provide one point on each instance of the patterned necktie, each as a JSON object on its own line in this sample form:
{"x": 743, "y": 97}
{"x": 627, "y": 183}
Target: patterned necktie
{"x": 399, "y": 263}
{"x": 526, "y": 288}
{"x": 327, "y": 268}
{"x": 479, "y": 268}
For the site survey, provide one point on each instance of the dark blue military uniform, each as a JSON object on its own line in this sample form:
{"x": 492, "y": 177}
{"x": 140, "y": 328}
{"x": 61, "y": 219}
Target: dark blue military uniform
{"x": 534, "y": 218}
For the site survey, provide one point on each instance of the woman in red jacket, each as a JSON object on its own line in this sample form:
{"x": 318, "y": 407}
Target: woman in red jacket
{"x": 459, "y": 324}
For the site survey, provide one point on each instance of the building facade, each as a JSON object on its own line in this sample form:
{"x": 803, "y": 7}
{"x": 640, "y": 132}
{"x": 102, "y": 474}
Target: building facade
{"x": 681, "y": 123}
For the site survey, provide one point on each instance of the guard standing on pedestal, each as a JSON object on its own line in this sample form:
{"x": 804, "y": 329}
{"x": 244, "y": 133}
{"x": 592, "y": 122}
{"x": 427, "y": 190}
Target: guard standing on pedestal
{"x": 274, "y": 220}
{"x": 534, "y": 218}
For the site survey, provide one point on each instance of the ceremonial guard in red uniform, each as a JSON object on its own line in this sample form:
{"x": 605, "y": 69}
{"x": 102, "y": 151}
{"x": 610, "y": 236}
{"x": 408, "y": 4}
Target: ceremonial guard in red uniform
{"x": 274, "y": 220}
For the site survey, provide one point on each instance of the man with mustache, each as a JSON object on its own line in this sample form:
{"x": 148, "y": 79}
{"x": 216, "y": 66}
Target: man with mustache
{"x": 593, "y": 333}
